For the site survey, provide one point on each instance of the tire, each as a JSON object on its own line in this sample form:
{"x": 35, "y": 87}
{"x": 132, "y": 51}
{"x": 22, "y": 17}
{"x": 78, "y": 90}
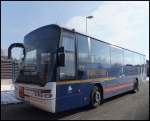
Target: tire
{"x": 96, "y": 97}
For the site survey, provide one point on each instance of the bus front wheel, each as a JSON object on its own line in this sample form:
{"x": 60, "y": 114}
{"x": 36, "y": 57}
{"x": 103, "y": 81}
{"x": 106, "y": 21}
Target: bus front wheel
{"x": 96, "y": 97}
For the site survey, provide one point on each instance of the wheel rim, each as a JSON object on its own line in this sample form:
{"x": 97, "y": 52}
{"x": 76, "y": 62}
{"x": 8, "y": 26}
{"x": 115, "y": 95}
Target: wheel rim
{"x": 97, "y": 97}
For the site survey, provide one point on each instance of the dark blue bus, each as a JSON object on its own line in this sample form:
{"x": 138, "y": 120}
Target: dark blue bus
{"x": 62, "y": 69}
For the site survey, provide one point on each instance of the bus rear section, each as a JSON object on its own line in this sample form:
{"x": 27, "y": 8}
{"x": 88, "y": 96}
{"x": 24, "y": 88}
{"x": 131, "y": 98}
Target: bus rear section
{"x": 41, "y": 97}
{"x": 36, "y": 81}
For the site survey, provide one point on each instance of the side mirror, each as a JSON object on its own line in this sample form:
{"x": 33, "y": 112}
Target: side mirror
{"x": 61, "y": 49}
{"x": 20, "y": 45}
{"x": 61, "y": 57}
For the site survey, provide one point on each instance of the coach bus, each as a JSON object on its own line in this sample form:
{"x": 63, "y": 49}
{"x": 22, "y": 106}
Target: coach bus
{"x": 62, "y": 69}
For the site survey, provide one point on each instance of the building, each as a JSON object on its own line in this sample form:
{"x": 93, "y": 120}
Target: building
{"x": 7, "y": 66}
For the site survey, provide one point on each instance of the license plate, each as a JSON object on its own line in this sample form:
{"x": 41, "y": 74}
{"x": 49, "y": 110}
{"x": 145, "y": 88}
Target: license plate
{"x": 21, "y": 92}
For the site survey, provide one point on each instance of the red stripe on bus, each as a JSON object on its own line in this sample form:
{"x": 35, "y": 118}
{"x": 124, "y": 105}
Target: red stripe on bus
{"x": 114, "y": 88}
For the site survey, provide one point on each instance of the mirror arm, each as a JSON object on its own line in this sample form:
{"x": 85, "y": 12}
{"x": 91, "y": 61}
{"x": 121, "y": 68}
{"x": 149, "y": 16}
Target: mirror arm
{"x": 13, "y": 46}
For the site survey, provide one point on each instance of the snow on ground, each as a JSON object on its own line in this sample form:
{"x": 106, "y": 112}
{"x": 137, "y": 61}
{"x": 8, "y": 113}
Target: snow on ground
{"x": 147, "y": 79}
{"x": 7, "y": 87}
{"x": 7, "y": 92}
{"x": 8, "y": 97}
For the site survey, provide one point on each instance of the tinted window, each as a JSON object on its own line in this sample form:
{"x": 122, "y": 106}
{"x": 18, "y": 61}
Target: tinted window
{"x": 129, "y": 62}
{"x": 100, "y": 59}
{"x": 116, "y": 56}
{"x": 137, "y": 59}
{"x": 68, "y": 71}
{"x": 68, "y": 43}
{"x": 137, "y": 63}
{"x": 116, "y": 61}
{"x": 100, "y": 52}
{"x": 128, "y": 58}
{"x": 82, "y": 56}
{"x": 83, "y": 49}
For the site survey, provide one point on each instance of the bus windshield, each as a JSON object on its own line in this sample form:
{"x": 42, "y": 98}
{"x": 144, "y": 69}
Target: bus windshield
{"x": 31, "y": 57}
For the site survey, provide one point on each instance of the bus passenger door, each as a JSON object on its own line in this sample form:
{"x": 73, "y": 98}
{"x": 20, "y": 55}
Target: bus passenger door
{"x": 68, "y": 91}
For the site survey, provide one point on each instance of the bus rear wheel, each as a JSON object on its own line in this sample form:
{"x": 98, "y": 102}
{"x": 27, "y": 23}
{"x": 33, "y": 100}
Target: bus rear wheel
{"x": 96, "y": 97}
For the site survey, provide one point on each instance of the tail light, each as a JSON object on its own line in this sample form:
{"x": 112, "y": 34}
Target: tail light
{"x": 21, "y": 92}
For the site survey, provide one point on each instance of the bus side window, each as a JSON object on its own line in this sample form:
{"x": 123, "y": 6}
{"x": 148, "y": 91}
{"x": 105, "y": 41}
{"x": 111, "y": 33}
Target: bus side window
{"x": 68, "y": 71}
{"x": 116, "y": 61}
{"x": 100, "y": 59}
{"x": 83, "y": 56}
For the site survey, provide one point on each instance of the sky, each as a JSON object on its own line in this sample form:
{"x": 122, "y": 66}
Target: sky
{"x": 125, "y": 24}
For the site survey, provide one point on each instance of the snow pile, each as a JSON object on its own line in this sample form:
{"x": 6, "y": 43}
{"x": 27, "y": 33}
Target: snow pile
{"x": 8, "y": 97}
{"x": 8, "y": 92}
{"x": 9, "y": 87}
{"x": 147, "y": 79}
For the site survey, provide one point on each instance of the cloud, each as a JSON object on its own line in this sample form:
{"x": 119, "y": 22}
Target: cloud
{"x": 123, "y": 23}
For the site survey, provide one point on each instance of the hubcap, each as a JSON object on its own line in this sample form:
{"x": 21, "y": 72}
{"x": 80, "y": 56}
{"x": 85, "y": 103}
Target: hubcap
{"x": 97, "y": 97}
